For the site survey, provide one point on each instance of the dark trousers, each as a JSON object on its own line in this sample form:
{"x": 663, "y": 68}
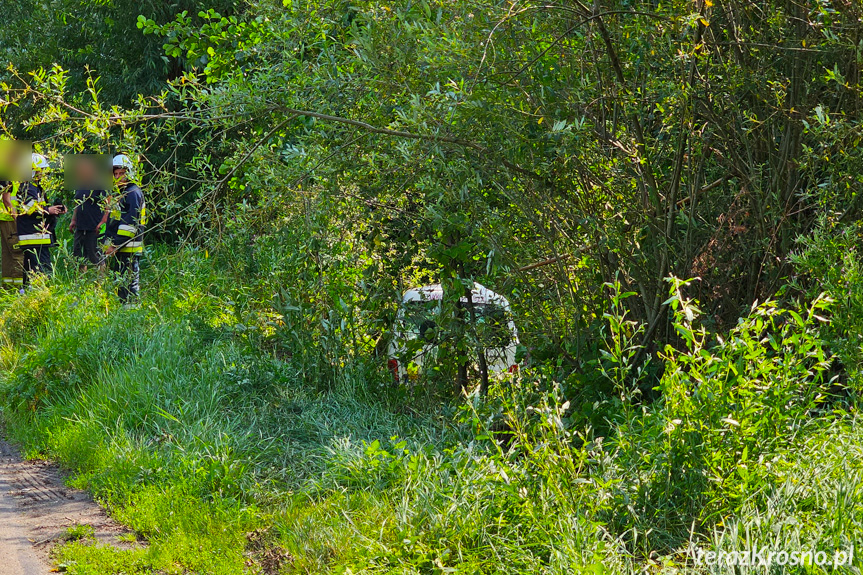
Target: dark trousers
{"x": 37, "y": 260}
{"x": 85, "y": 245}
{"x": 12, "y": 257}
{"x": 128, "y": 271}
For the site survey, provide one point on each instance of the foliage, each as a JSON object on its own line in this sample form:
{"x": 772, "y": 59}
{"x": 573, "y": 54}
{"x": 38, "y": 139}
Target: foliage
{"x": 92, "y": 39}
{"x": 221, "y": 455}
{"x": 828, "y": 260}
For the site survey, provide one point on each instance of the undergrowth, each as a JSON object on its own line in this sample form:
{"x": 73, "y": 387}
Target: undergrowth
{"x": 227, "y": 454}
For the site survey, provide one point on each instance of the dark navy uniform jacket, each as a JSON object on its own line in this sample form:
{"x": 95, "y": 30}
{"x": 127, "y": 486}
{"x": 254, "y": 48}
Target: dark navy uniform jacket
{"x": 32, "y": 218}
{"x": 123, "y": 228}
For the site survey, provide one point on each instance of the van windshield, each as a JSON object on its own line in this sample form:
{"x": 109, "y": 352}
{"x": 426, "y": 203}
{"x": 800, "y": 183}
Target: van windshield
{"x": 492, "y": 325}
{"x": 420, "y": 318}
{"x": 492, "y": 322}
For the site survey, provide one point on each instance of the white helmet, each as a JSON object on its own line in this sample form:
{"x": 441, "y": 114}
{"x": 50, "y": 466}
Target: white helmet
{"x": 39, "y": 163}
{"x": 123, "y": 161}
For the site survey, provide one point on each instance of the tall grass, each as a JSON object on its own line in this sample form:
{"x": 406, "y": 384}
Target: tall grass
{"x": 230, "y": 455}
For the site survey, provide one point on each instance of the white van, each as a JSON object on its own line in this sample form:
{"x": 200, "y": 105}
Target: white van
{"x": 417, "y": 320}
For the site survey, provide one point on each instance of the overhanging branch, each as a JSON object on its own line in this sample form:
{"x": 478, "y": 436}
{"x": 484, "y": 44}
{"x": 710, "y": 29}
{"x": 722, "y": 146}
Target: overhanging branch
{"x": 414, "y": 136}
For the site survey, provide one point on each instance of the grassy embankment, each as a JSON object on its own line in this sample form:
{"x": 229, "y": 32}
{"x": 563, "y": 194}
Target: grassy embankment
{"x": 224, "y": 457}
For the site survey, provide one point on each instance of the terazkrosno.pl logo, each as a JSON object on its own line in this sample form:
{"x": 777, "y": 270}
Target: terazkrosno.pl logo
{"x": 767, "y": 557}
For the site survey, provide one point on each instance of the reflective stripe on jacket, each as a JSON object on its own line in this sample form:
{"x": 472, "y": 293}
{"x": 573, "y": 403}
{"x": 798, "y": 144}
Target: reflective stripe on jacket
{"x": 28, "y": 240}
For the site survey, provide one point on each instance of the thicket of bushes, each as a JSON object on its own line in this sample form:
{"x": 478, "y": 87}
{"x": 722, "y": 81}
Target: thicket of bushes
{"x": 224, "y": 444}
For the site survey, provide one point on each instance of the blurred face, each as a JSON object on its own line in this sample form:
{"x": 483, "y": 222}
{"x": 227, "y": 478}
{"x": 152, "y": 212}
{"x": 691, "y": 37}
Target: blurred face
{"x": 85, "y": 173}
{"x": 120, "y": 175}
{"x": 15, "y": 160}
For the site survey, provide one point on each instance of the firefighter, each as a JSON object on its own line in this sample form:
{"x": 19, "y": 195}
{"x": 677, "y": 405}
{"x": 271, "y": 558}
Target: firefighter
{"x": 124, "y": 231}
{"x": 35, "y": 218}
{"x": 11, "y": 257}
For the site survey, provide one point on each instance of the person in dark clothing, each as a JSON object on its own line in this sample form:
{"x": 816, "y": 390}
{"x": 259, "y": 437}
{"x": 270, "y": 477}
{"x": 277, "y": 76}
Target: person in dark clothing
{"x": 87, "y": 219}
{"x": 124, "y": 232}
{"x": 34, "y": 223}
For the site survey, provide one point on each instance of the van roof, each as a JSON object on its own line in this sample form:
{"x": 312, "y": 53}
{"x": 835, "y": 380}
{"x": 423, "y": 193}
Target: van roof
{"x": 434, "y": 292}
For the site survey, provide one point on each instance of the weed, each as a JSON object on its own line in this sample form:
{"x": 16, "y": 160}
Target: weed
{"x": 80, "y": 532}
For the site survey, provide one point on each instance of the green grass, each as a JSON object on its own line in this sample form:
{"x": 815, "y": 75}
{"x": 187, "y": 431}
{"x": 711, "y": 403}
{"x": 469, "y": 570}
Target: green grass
{"x": 223, "y": 454}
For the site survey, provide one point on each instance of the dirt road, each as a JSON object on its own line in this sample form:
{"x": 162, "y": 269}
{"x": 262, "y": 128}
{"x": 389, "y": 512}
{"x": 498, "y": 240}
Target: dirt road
{"x": 36, "y": 510}
{"x": 17, "y": 555}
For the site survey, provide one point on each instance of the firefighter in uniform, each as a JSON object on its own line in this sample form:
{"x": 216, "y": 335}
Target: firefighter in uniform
{"x": 34, "y": 222}
{"x": 124, "y": 231}
{"x": 11, "y": 257}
